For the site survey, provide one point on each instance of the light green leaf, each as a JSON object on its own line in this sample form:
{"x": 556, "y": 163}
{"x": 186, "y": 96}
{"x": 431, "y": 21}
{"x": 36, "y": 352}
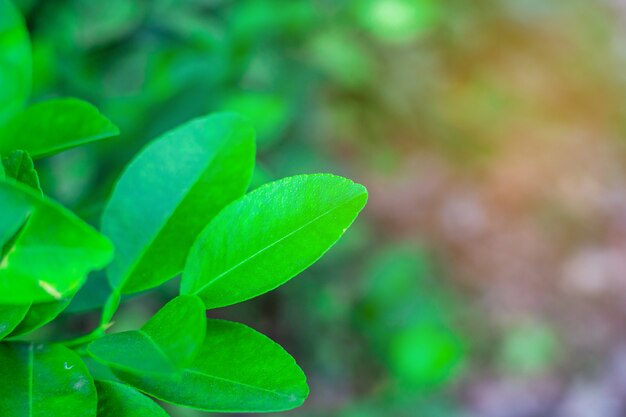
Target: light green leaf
{"x": 45, "y": 250}
{"x": 270, "y": 235}
{"x": 44, "y": 381}
{"x": 19, "y": 166}
{"x": 39, "y": 315}
{"x": 10, "y": 317}
{"x": 167, "y": 342}
{"x": 170, "y": 192}
{"x": 15, "y": 61}
{"x": 119, "y": 400}
{"x": 55, "y": 125}
{"x": 236, "y": 370}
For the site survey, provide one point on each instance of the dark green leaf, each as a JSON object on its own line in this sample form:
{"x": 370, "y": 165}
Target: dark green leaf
{"x": 46, "y": 251}
{"x": 55, "y": 125}
{"x": 236, "y": 370}
{"x": 15, "y": 62}
{"x": 270, "y": 235}
{"x": 119, "y": 400}
{"x": 39, "y": 315}
{"x": 44, "y": 381}
{"x": 19, "y": 166}
{"x": 169, "y": 193}
{"x": 10, "y": 317}
{"x": 167, "y": 342}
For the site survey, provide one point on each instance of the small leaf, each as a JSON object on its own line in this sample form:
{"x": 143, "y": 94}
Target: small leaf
{"x": 55, "y": 125}
{"x": 270, "y": 235}
{"x": 167, "y": 342}
{"x": 170, "y": 192}
{"x": 236, "y": 370}
{"x": 119, "y": 400}
{"x": 19, "y": 166}
{"x": 15, "y": 62}
{"x": 46, "y": 251}
{"x": 10, "y": 317}
{"x": 39, "y": 315}
{"x": 44, "y": 381}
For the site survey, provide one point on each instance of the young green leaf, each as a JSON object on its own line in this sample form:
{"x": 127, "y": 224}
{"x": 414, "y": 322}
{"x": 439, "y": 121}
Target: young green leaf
{"x": 15, "y": 61}
{"x": 167, "y": 342}
{"x": 55, "y": 125}
{"x": 270, "y": 235}
{"x": 170, "y": 192}
{"x": 10, "y": 317}
{"x": 119, "y": 400}
{"x": 39, "y": 315}
{"x": 44, "y": 381}
{"x": 45, "y": 250}
{"x": 236, "y": 370}
{"x": 19, "y": 166}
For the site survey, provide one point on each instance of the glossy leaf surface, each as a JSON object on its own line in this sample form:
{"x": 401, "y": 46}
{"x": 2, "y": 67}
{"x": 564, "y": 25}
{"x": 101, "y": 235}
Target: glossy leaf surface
{"x": 46, "y": 251}
{"x": 236, "y": 370}
{"x": 44, "y": 381}
{"x": 19, "y": 166}
{"x": 270, "y": 235}
{"x": 15, "y": 62}
{"x": 170, "y": 192}
{"x": 55, "y": 125}
{"x": 119, "y": 400}
{"x": 167, "y": 342}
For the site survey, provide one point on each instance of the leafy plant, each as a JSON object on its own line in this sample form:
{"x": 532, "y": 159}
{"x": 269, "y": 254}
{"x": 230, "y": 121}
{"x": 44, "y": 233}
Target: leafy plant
{"x": 179, "y": 208}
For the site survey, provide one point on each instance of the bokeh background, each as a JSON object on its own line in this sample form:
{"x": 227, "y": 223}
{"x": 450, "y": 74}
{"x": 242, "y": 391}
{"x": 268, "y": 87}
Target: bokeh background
{"x": 486, "y": 277}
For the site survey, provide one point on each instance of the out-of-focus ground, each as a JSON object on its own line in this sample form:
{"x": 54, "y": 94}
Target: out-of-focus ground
{"x": 487, "y": 276}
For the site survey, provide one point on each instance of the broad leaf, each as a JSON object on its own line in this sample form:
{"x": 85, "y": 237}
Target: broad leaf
{"x": 236, "y": 370}
{"x": 10, "y": 317}
{"x": 44, "y": 381}
{"x": 167, "y": 342}
{"x": 119, "y": 400}
{"x": 45, "y": 250}
{"x": 15, "y": 61}
{"x": 39, "y": 315}
{"x": 270, "y": 235}
{"x": 170, "y": 192}
{"x": 55, "y": 125}
{"x": 19, "y": 166}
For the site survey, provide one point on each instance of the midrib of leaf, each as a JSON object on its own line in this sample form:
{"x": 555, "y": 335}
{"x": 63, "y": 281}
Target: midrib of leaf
{"x": 152, "y": 240}
{"x": 243, "y": 384}
{"x": 112, "y": 131}
{"x": 276, "y": 242}
{"x": 10, "y": 244}
{"x": 158, "y": 348}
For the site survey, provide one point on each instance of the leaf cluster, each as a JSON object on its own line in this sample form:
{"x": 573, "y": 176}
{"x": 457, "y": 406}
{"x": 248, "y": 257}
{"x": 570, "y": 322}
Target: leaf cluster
{"x": 180, "y": 208}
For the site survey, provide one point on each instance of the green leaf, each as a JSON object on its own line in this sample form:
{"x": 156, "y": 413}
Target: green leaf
{"x": 39, "y": 315}
{"x": 19, "y": 166}
{"x": 167, "y": 342}
{"x": 170, "y": 192}
{"x": 15, "y": 61}
{"x": 119, "y": 400}
{"x": 55, "y": 125}
{"x": 270, "y": 235}
{"x": 45, "y": 250}
{"x": 236, "y": 370}
{"x": 44, "y": 381}
{"x": 10, "y": 317}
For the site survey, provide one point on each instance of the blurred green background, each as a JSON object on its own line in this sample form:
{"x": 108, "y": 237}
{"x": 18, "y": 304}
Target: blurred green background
{"x": 487, "y": 276}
